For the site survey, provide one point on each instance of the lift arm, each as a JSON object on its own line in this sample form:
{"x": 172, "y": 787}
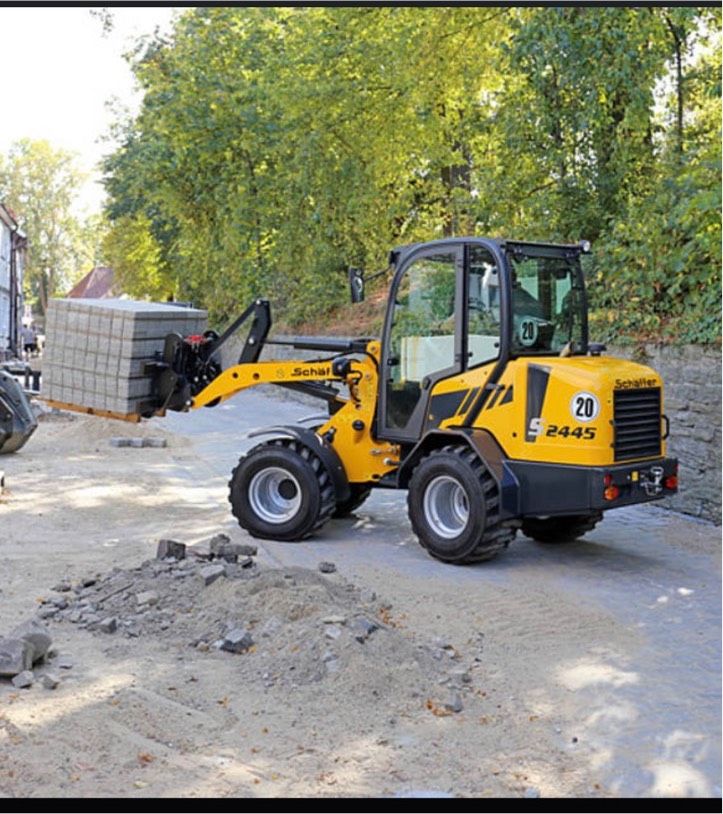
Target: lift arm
{"x": 245, "y": 375}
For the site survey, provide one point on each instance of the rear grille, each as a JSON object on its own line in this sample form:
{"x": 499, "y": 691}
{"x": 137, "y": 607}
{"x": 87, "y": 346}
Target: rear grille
{"x": 637, "y": 423}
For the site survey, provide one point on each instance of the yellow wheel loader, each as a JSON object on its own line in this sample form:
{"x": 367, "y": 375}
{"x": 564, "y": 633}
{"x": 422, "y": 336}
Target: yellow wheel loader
{"x": 483, "y": 398}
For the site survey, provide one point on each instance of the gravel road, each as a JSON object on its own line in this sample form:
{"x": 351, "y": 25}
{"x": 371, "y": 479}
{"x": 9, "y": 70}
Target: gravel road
{"x": 597, "y": 663}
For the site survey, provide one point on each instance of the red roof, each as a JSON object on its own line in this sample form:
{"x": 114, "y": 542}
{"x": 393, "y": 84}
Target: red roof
{"x": 97, "y": 284}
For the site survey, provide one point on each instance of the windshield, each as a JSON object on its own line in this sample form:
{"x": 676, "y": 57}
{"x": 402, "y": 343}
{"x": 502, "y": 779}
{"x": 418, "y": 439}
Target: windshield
{"x": 548, "y": 310}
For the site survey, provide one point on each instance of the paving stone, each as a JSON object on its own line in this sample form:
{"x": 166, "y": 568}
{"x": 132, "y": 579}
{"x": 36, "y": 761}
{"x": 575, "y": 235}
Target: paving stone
{"x": 155, "y": 443}
{"x": 200, "y": 551}
{"x": 16, "y": 655}
{"x": 108, "y": 625}
{"x": 120, "y": 442}
{"x": 36, "y": 635}
{"x": 136, "y": 443}
{"x": 237, "y": 640}
{"x": 217, "y": 542}
{"x": 211, "y": 573}
{"x": 23, "y": 680}
{"x": 230, "y": 551}
{"x": 97, "y": 350}
{"x": 147, "y": 598}
{"x": 50, "y": 681}
{"x": 334, "y": 620}
{"x": 171, "y": 548}
{"x": 363, "y": 628}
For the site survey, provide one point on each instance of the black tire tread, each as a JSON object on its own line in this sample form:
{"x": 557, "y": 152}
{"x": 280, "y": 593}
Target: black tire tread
{"x": 359, "y": 493}
{"x": 498, "y": 534}
{"x": 562, "y": 529}
{"x": 326, "y": 487}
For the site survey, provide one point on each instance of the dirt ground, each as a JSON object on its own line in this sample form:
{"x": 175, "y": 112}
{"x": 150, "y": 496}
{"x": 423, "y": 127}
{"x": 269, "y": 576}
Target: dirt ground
{"x": 561, "y": 693}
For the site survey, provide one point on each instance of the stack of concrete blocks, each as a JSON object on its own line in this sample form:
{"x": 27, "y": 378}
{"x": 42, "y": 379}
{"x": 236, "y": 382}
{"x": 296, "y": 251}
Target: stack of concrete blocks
{"x": 96, "y": 351}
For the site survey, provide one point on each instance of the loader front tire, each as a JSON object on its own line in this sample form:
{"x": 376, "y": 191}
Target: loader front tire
{"x": 358, "y": 493}
{"x": 563, "y": 529}
{"x": 453, "y": 506}
{"x": 282, "y": 491}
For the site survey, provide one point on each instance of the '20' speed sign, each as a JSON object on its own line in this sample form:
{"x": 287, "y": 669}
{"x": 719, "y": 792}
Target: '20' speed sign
{"x": 584, "y": 406}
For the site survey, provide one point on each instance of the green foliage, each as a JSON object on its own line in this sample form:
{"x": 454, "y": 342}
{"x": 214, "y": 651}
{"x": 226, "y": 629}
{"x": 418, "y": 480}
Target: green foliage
{"x": 40, "y": 184}
{"x": 276, "y": 146}
{"x": 658, "y": 268}
{"x": 134, "y": 254}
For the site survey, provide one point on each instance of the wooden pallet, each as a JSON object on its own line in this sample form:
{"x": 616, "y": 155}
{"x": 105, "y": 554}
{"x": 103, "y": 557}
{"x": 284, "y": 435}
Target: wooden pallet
{"x": 78, "y": 408}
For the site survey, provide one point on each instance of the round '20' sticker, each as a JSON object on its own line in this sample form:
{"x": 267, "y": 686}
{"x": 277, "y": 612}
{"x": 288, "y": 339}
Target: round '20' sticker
{"x": 584, "y": 406}
{"x": 528, "y": 332}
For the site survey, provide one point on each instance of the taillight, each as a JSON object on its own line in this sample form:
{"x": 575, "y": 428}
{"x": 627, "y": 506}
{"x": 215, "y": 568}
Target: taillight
{"x": 671, "y": 482}
{"x": 611, "y": 492}
{"x": 607, "y": 480}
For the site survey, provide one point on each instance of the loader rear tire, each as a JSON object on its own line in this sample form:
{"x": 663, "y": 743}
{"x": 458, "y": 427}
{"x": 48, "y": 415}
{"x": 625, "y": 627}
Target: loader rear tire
{"x": 282, "y": 491}
{"x": 358, "y": 494}
{"x": 453, "y": 505}
{"x": 560, "y": 529}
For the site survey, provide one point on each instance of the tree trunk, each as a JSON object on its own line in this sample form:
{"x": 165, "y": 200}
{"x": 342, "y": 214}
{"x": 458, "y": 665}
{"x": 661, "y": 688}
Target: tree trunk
{"x": 678, "y": 45}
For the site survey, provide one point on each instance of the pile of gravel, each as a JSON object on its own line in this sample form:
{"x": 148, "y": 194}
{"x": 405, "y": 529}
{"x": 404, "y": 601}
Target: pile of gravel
{"x": 285, "y": 627}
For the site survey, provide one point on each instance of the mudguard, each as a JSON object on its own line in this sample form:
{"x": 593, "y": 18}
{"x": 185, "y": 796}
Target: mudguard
{"x": 490, "y": 453}
{"x": 17, "y": 420}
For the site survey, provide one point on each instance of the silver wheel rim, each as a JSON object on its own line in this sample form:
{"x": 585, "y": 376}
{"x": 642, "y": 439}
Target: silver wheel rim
{"x": 445, "y": 507}
{"x": 275, "y": 495}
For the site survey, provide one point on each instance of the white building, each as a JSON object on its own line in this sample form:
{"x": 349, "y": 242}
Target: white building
{"x": 12, "y": 263}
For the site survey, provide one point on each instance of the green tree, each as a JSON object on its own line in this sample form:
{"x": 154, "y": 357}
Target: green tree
{"x": 40, "y": 184}
{"x": 276, "y": 146}
{"x": 133, "y": 253}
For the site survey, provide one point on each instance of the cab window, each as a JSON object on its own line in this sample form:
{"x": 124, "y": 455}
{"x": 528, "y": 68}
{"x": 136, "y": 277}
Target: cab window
{"x": 483, "y": 307}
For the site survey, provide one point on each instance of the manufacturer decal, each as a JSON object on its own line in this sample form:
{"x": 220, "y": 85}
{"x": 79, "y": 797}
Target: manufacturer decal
{"x": 309, "y": 372}
{"x": 633, "y": 384}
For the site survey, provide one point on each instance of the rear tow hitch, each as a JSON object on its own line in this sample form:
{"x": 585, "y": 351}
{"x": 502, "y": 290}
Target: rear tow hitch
{"x": 654, "y": 486}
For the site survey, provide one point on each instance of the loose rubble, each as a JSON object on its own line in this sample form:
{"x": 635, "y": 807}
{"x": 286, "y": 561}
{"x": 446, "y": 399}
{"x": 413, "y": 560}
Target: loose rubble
{"x": 23, "y": 680}
{"x": 16, "y": 655}
{"x": 50, "y": 681}
{"x": 287, "y": 627}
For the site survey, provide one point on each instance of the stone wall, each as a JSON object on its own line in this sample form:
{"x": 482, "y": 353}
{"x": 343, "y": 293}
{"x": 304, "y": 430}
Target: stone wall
{"x": 692, "y": 402}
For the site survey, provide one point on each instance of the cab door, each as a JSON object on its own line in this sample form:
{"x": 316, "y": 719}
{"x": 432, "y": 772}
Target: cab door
{"x": 422, "y": 341}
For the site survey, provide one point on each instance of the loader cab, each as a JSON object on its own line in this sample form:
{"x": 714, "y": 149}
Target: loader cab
{"x": 465, "y": 303}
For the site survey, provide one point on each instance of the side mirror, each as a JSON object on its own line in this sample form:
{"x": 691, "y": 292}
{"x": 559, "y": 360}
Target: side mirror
{"x": 356, "y": 284}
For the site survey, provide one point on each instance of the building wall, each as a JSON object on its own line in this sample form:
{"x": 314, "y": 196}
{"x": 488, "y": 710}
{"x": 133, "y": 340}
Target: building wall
{"x": 5, "y": 292}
